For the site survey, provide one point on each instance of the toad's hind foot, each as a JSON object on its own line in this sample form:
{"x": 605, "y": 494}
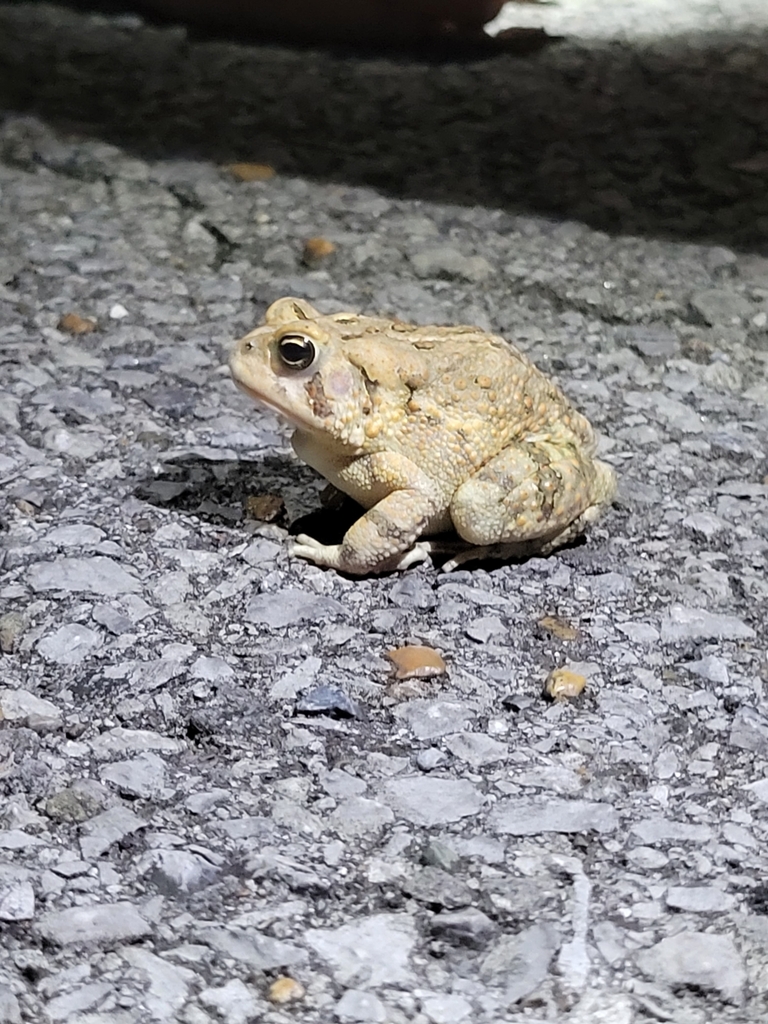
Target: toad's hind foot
{"x": 334, "y": 556}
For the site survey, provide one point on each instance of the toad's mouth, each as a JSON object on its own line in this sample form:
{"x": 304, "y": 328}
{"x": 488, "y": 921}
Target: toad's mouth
{"x": 270, "y": 403}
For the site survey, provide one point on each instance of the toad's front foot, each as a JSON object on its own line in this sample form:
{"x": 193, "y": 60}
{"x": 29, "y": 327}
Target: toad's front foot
{"x": 342, "y": 558}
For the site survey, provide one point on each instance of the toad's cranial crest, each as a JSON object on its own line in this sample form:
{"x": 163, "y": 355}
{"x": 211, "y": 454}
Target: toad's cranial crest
{"x": 429, "y": 429}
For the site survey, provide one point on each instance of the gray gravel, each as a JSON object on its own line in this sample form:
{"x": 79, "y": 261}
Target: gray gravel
{"x": 209, "y": 778}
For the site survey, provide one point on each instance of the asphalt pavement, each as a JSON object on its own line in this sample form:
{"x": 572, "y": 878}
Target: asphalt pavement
{"x": 218, "y": 804}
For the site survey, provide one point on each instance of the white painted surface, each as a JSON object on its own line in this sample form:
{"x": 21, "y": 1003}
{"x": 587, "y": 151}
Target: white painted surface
{"x": 635, "y": 19}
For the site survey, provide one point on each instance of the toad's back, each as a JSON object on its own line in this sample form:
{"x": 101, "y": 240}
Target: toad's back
{"x": 457, "y": 388}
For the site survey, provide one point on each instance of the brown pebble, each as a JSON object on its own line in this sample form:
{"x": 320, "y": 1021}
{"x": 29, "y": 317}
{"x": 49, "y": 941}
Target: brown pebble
{"x": 73, "y": 323}
{"x": 317, "y": 250}
{"x": 413, "y": 662}
{"x": 563, "y": 684}
{"x": 264, "y": 507}
{"x": 285, "y": 990}
{"x": 559, "y": 627}
{"x": 251, "y": 172}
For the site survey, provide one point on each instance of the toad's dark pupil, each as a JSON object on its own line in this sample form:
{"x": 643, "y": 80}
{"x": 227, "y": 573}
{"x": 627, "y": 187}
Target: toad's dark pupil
{"x": 296, "y": 352}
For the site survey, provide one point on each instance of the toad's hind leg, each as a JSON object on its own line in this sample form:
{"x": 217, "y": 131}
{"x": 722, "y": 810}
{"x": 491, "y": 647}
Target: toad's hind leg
{"x": 536, "y": 494}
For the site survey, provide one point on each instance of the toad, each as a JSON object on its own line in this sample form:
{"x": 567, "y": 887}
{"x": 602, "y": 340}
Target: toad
{"x": 430, "y": 429}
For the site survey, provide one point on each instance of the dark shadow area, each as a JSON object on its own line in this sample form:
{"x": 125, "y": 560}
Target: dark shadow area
{"x": 236, "y": 493}
{"x": 227, "y": 492}
{"x": 230, "y": 494}
{"x": 248, "y": 491}
{"x": 351, "y": 27}
{"x": 662, "y": 142}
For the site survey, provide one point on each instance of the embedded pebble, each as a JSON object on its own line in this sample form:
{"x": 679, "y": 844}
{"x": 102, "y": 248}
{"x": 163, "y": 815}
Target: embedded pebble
{"x": 74, "y": 1004}
{"x": 76, "y": 803}
{"x": 234, "y": 1002}
{"x": 211, "y": 669}
{"x": 167, "y": 985}
{"x": 327, "y": 700}
{"x": 710, "y": 667}
{"x": 20, "y": 707}
{"x": 440, "y": 855}
{"x": 698, "y": 959}
{"x": 289, "y": 607}
{"x": 749, "y": 731}
{"x": 17, "y": 896}
{"x": 98, "y": 575}
{"x": 701, "y": 899}
{"x": 412, "y": 591}
{"x": 521, "y": 961}
{"x": 476, "y": 749}
{"x": 259, "y": 952}
{"x": 532, "y": 816}
{"x": 446, "y": 1009}
{"x": 374, "y": 950}
{"x": 359, "y": 1006}
{"x": 424, "y": 800}
{"x": 705, "y": 523}
{"x": 467, "y": 927}
{"x": 103, "y": 924}
{"x": 645, "y": 857}
{"x": 358, "y": 816}
{"x": 70, "y": 644}
{"x": 681, "y": 623}
{"x": 438, "y": 889}
{"x": 260, "y": 551}
{"x": 10, "y": 1011}
{"x": 75, "y": 535}
{"x": 485, "y": 627}
{"x": 124, "y": 741}
{"x": 720, "y": 306}
{"x": 760, "y": 790}
{"x": 658, "y": 830}
{"x": 431, "y": 758}
{"x": 597, "y": 1006}
{"x": 339, "y": 783}
{"x": 107, "y": 828}
{"x": 142, "y": 777}
{"x": 115, "y": 621}
{"x": 12, "y": 625}
{"x": 178, "y": 871}
{"x": 431, "y": 719}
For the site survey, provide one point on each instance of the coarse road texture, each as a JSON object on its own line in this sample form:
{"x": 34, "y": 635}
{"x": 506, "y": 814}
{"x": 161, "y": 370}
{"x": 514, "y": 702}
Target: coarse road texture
{"x": 209, "y": 778}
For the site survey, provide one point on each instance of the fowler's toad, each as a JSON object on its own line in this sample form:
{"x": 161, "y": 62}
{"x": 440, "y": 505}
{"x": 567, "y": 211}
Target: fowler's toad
{"x": 428, "y": 428}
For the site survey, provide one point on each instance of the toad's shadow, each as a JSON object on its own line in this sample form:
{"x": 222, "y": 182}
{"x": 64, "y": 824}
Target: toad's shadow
{"x": 663, "y": 141}
{"x": 233, "y": 493}
{"x": 223, "y": 493}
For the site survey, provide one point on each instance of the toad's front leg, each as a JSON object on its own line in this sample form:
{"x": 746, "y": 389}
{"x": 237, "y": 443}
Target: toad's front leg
{"x": 407, "y": 506}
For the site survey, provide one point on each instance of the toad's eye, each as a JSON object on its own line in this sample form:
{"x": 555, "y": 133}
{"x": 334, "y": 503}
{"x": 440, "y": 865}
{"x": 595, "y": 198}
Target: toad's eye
{"x": 296, "y": 351}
